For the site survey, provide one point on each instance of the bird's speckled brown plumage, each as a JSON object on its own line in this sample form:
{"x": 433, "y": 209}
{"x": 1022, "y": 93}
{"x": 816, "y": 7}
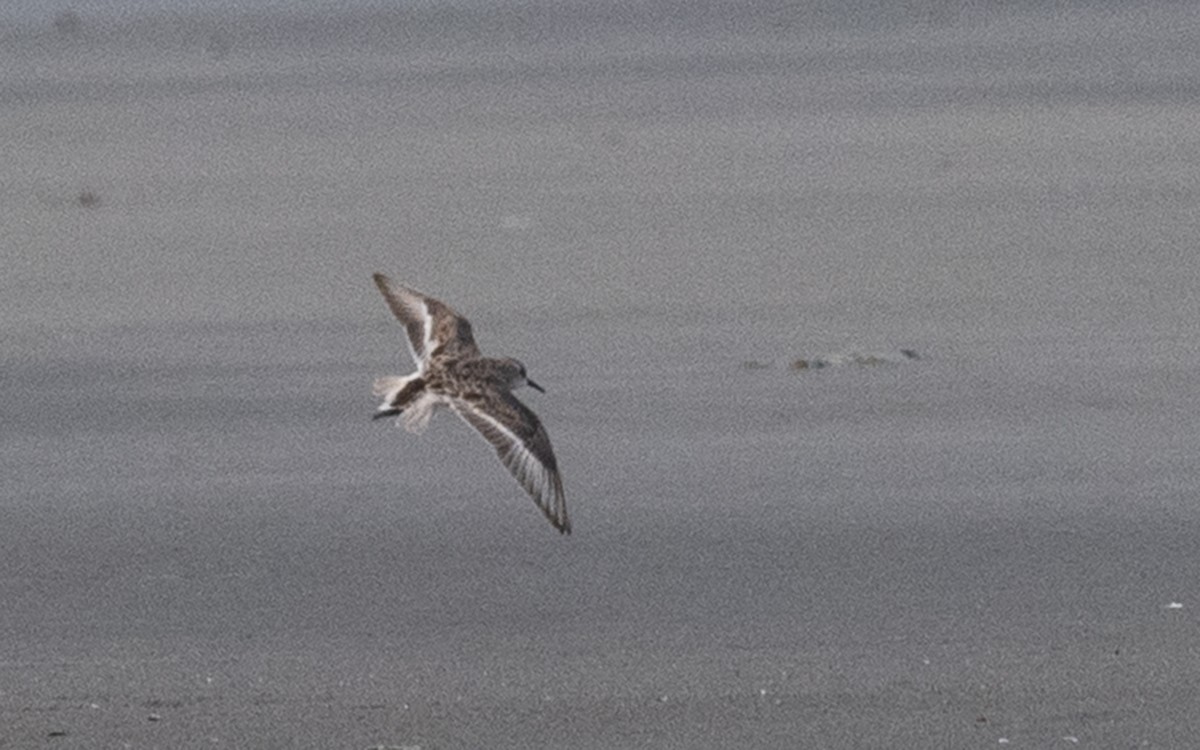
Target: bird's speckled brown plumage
{"x": 451, "y": 372}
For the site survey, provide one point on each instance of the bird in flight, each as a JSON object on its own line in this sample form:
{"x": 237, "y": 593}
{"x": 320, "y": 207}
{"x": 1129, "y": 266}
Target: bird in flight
{"x": 452, "y": 373}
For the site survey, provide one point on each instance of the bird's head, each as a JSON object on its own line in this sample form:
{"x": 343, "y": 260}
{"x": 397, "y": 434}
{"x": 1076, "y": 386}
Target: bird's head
{"x": 517, "y": 376}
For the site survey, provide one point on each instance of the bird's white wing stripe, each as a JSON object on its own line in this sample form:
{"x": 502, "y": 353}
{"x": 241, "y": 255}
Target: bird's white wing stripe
{"x": 428, "y": 347}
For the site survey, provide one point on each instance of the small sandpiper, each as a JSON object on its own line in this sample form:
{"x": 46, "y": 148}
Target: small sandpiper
{"x": 452, "y": 373}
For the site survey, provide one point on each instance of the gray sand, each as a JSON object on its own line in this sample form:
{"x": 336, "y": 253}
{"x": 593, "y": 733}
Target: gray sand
{"x": 205, "y": 542}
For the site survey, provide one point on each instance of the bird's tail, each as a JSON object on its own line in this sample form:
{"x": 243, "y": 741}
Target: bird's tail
{"x": 405, "y": 396}
{"x": 389, "y": 386}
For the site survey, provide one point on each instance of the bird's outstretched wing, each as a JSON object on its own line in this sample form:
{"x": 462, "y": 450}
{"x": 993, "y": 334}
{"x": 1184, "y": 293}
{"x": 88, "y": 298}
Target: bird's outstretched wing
{"x": 433, "y": 328}
{"x": 523, "y": 447}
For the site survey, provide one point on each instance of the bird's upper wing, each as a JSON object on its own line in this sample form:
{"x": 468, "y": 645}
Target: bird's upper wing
{"x": 432, "y": 326}
{"x": 523, "y": 447}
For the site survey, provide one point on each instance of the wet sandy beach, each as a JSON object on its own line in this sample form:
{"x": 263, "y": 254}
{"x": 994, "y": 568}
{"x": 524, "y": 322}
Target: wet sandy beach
{"x": 205, "y": 542}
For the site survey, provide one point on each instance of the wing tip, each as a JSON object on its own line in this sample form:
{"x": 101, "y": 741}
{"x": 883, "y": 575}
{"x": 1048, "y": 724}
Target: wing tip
{"x": 562, "y": 524}
{"x": 390, "y": 288}
{"x": 557, "y": 512}
{"x": 385, "y": 287}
